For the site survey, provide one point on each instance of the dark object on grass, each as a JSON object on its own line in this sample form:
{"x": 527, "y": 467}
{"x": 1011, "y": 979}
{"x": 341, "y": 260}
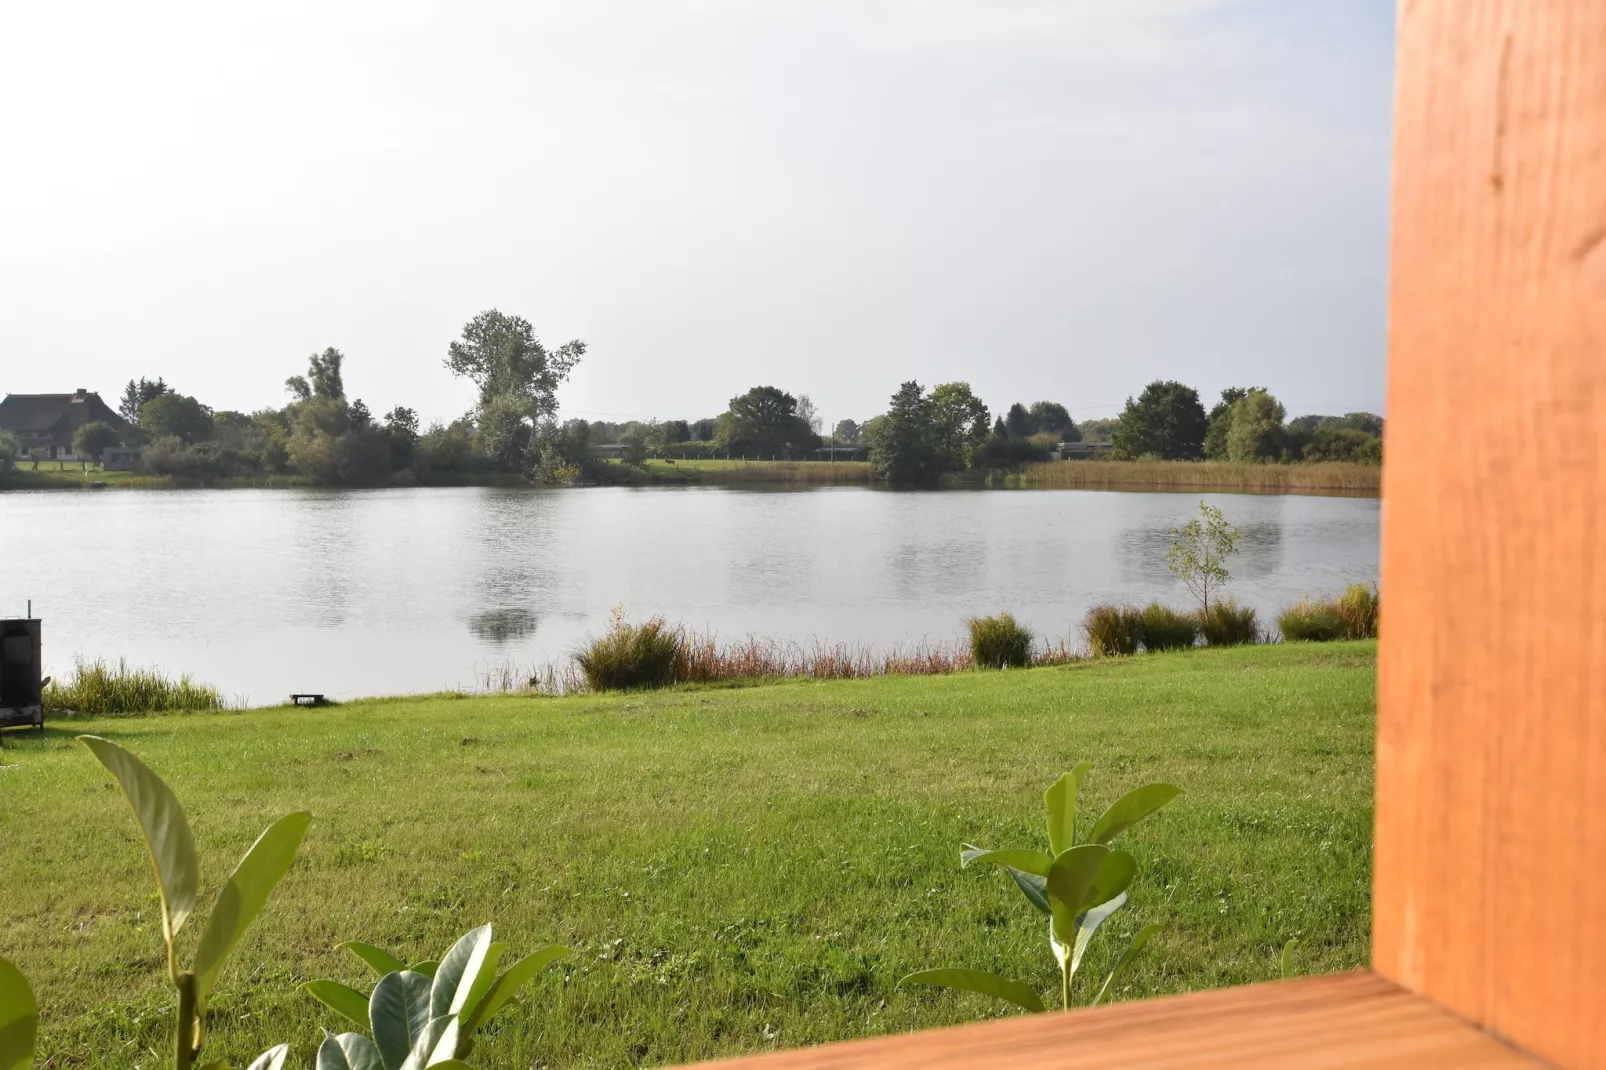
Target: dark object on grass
{"x": 306, "y": 699}
{"x": 1166, "y": 629}
{"x": 21, "y": 686}
{"x": 1113, "y": 631}
{"x": 1000, "y": 642}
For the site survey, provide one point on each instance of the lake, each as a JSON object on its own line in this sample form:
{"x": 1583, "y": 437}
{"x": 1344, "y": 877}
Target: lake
{"x": 365, "y": 592}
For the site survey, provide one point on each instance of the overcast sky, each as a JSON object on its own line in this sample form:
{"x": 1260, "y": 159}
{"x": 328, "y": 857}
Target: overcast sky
{"x": 1058, "y": 200}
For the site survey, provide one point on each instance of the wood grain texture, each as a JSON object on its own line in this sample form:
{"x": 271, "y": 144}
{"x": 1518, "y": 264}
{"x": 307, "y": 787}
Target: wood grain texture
{"x": 1491, "y": 817}
{"x": 1323, "y": 1023}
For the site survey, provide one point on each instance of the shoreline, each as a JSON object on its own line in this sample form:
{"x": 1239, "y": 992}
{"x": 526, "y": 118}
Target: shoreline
{"x": 1183, "y": 477}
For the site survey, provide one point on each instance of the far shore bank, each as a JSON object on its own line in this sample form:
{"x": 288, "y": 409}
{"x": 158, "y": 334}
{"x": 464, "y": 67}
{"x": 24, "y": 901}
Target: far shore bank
{"x": 1328, "y": 478}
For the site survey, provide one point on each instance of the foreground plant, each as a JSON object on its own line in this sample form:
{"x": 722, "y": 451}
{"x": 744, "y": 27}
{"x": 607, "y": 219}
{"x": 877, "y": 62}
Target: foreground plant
{"x": 426, "y": 1014}
{"x": 172, "y": 853}
{"x": 1079, "y": 886}
{"x": 19, "y": 1019}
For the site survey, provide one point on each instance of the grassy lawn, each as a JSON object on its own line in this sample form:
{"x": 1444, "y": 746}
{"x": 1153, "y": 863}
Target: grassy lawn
{"x": 737, "y": 869}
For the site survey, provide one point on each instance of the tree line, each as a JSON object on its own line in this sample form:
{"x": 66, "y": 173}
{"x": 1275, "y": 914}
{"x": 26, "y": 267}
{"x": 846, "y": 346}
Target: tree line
{"x": 514, "y": 431}
{"x": 1167, "y": 421}
{"x": 324, "y": 436}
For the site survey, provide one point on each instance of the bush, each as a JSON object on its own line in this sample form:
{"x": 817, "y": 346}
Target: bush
{"x": 1228, "y": 625}
{"x": 632, "y": 656}
{"x": 1166, "y": 629}
{"x": 1357, "y": 607}
{"x": 1113, "y": 631}
{"x": 999, "y": 642}
{"x": 99, "y": 688}
{"x": 1352, "y": 615}
{"x": 1312, "y": 621}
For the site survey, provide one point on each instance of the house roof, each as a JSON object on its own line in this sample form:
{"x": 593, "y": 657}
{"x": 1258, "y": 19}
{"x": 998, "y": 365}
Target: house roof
{"x": 41, "y": 412}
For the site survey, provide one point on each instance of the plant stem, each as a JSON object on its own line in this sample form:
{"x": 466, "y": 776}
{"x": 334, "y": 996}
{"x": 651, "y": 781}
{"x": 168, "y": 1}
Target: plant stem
{"x": 1065, "y": 989}
{"x": 184, "y": 1042}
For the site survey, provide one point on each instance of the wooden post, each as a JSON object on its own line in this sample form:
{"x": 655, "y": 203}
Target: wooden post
{"x": 1491, "y": 818}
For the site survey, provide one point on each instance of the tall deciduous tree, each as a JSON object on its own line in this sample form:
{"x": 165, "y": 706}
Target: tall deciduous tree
{"x": 517, "y": 377}
{"x": 1220, "y": 421}
{"x": 92, "y": 438}
{"x": 176, "y": 415}
{"x": 1167, "y": 421}
{"x": 765, "y": 421}
{"x": 1257, "y": 432}
{"x": 1054, "y": 418}
{"x": 959, "y": 423}
{"x": 847, "y": 433}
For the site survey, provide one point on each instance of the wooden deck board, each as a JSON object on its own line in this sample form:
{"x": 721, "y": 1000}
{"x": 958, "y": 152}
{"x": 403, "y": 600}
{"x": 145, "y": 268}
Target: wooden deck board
{"x": 1322, "y": 1023}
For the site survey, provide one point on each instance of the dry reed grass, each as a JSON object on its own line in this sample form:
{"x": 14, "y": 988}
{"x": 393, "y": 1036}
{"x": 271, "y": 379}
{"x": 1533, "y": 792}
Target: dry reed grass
{"x": 706, "y": 659}
{"x": 1323, "y": 478}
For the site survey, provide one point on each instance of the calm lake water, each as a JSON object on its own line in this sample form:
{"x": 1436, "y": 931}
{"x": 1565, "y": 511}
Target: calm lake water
{"x": 393, "y": 591}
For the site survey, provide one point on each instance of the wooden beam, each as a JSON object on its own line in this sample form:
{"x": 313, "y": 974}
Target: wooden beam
{"x": 1491, "y": 816}
{"x": 1339, "y": 1022}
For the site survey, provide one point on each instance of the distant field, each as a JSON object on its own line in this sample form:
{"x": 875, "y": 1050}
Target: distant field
{"x": 1365, "y": 479}
{"x": 737, "y": 869}
{"x": 735, "y": 471}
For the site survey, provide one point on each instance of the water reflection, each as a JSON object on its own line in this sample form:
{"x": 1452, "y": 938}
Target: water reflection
{"x": 502, "y": 626}
{"x": 368, "y": 592}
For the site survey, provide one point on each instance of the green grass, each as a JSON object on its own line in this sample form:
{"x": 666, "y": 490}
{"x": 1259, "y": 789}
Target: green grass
{"x": 738, "y": 869}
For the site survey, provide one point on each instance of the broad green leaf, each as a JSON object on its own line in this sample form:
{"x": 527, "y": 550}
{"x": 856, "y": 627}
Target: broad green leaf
{"x": 1131, "y": 952}
{"x": 397, "y": 1012}
{"x": 1035, "y": 888}
{"x": 507, "y": 986}
{"x": 1287, "y": 961}
{"x": 19, "y": 1019}
{"x": 1035, "y": 862}
{"x": 377, "y": 959}
{"x": 166, "y": 830}
{"x": 1131, "y": 808}
{"x": 1060, "y": 802}
{"x": 1069, "y": 882}
{"x": 1114, "y": 876}
{"x": 458, "y": 971}
{"x": 347, "y": 1002}
{"x": 436, "y": 1042}
{"x": 242, "y": 898}
{"x": 272, "y": 1059}
{"x": 988, "y": 984}
{"x": 483, "y": 981}
{"x": 349, "y": 1051}
{"x": 1088, "y": 922}
{"x": 427, "y": 967}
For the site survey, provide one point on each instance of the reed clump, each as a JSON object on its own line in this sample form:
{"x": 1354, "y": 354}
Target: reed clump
{"x": 1228, "y": 624}
{"x": 101, "y": 688}
{"x": 1113, "y": 631}
{"x": 1310, "y": 620}
{"x": 1166, "y": 629}
{"x": 1000, "y": 642}
{"x": 632, "y": 657}
{"x": 1351, "y": 615}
